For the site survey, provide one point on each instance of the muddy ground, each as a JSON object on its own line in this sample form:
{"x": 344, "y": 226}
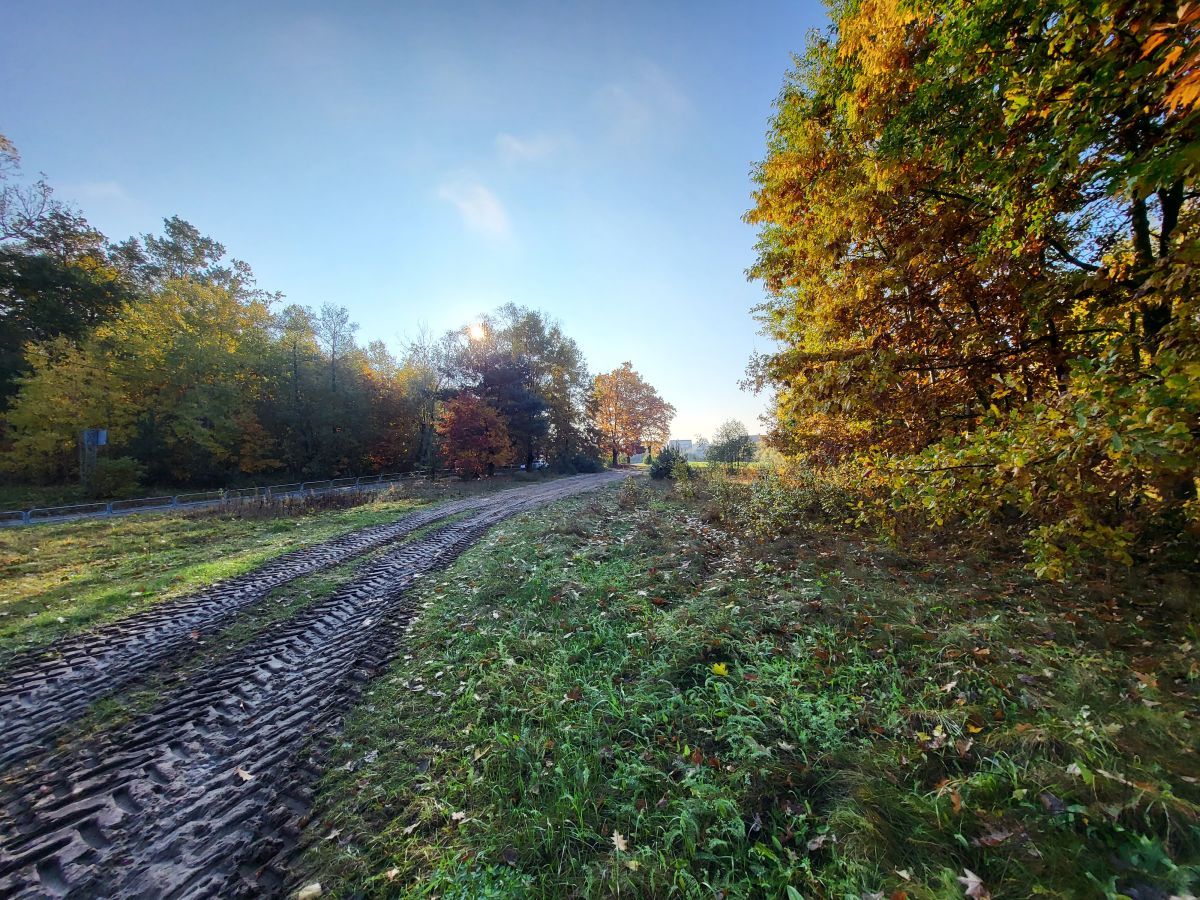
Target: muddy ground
{"x": 204, "y": 793}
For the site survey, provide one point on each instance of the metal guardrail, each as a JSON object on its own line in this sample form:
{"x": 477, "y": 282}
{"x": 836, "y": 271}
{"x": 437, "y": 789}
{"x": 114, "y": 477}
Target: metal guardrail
{"x": 102, "y": 509}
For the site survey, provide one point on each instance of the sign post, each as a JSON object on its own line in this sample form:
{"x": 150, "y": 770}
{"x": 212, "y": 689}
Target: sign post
{"x": 89, "y": 445}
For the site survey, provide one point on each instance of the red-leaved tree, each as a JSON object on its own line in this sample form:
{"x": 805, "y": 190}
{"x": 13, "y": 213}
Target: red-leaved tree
{"x": 473, "y": 436}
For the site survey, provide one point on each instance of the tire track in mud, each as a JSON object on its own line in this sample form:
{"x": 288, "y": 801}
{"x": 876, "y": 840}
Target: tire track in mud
{"x": 45, "y": 689}
{"x": 197, "y": 796}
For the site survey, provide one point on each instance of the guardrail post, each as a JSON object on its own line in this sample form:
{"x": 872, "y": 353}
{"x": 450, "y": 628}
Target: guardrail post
{"x": 108, "y": 508}
{"x": 25, "y": 516}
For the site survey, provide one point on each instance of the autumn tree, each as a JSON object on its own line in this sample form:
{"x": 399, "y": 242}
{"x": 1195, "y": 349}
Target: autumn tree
{"x": 977, "y": 235}
{"x": 475, "y": 439}
{"x": 172, "y": 378}
{"x": 628, "y": 412}
{"x": 523, "y": 364}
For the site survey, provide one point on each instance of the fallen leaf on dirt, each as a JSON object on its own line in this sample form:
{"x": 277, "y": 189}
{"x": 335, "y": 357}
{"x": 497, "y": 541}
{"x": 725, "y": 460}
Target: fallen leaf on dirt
{"x": 242, "y": 774}
{"x": 620, "y": 842}
{"x": 973, "y": 886}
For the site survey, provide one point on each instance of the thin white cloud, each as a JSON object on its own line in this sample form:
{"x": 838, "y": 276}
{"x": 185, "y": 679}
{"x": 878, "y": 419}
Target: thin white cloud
{"x": 481, "y": 210}
{"x": 538, "y": 147}
{"x": 96, "y": 192}
{"x": 644, "y": 106}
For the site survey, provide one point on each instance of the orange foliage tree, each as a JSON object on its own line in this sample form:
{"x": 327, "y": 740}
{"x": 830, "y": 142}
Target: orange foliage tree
{"x": 628, "y": 411}
{"x": 474, "y": 437}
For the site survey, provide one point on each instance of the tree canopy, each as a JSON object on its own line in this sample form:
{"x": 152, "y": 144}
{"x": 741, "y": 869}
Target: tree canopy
{"x": 977, "y": 234}
{"x": 202, "y": 377}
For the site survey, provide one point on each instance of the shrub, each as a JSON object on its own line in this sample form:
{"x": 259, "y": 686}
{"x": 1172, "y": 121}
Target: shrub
{"x": 664, "y": 464}
{"x": 119, "y": 476}
{"x": 630, "y": 494}
{"x": 577, "y": 464}
{"x": 785, "y": 499}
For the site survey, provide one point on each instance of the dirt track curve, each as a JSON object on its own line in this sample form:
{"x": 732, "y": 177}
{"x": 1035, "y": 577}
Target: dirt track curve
{"x": 203, "y": 794}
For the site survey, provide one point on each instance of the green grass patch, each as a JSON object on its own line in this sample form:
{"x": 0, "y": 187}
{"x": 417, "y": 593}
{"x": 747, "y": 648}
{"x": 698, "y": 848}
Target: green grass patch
{"x": 610, "y": 699}
{"x": 63, "y": 577}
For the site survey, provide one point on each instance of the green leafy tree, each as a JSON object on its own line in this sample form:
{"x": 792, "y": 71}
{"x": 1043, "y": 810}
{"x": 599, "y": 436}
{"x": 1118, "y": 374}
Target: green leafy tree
{"x": 731, "y": 444}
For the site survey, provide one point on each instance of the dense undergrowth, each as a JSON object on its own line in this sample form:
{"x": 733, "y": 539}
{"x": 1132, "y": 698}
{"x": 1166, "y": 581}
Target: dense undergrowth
{"x": 613, "y": 698}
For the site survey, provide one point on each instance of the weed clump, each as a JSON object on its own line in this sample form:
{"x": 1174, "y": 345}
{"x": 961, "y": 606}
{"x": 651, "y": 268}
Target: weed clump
{"x": 631, "y": 494}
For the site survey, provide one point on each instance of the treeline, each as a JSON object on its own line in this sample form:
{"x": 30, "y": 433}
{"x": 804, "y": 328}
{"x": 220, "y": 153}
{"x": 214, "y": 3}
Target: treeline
{"x": 202, "y": 378}
{"x": 978, "y": 233}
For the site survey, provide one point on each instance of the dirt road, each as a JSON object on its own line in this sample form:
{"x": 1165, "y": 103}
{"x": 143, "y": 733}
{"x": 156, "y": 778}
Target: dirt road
{"x": 203, "y": 794}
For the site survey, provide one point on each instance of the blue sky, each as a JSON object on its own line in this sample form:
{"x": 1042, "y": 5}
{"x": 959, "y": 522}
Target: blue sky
{"x": 420, "y": 163}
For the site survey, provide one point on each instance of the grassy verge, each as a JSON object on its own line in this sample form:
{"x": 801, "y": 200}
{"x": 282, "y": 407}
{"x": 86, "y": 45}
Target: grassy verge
{"x": 63, "y": 577}
{"x": 609, "y": 699}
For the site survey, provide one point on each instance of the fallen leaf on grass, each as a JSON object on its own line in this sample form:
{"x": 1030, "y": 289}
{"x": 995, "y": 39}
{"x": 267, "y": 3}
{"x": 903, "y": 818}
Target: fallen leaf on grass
{"x": 994, "y": 837}
{"x": 1052, "y": 804}
{"x": 973, "y": 886}
{"x": 821, "y": 840}
{"x": 620, "y": 842}
{"x": 720, "y": 669}
{"x": 391, "y": 874}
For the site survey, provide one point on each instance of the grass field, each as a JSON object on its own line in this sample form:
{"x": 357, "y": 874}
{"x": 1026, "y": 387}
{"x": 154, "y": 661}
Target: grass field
{"x": 611, "y": 698}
